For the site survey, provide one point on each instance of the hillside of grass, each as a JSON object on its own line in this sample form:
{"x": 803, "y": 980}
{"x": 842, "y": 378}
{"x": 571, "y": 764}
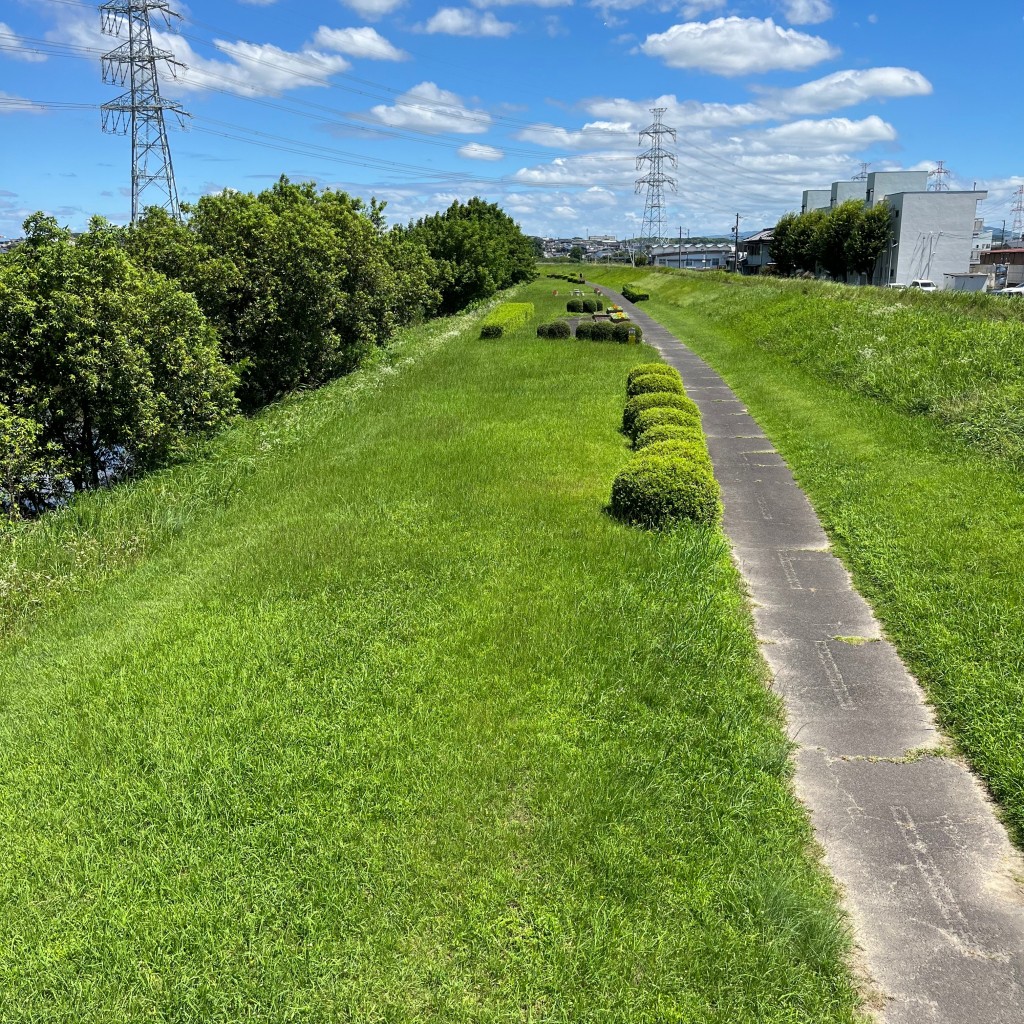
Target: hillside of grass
{"x": 376, "y": 715}
{"x": 955, "y": 358}
{"x": 930, "y": 523}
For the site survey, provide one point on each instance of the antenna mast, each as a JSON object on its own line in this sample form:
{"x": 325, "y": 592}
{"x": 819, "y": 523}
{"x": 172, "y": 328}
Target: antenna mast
{"x": 655, "y": 180}
{"x": 140, "y": 110}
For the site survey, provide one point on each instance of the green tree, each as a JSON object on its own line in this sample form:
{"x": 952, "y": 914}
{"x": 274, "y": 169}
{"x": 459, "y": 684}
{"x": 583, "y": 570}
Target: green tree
{"x": 479, "y": 250}
{"x": 27, "y": 468}
{"x": 868, "y": 240}
{"x": 576, "y": 253}
{"x": 794, "y": 246}
{"x": 832, "y": 234}
{"x": 117, "y": 365}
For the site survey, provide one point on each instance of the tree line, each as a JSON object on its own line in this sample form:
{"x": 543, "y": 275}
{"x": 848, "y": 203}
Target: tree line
{"x": 123, "y": 346}
{"x": 843, "y": 242}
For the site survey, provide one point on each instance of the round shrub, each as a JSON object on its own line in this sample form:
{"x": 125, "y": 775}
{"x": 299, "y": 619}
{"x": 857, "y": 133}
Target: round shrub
{"x": 657, "y": 417}
{"x": 592, "y": 306}
{"x": 622, "y": 331}
{"x": 669, "y": 432}
{"x": 655, "y": 400}
{"x": 653, "y": 383}
{"x": 490, "y": 331}
{"x": 646, "y": 369}
{"x": 662, "y": 490}
{"x": 585, "y": 329}
{"x": 574, "y": 306}
{"x": 557, "y": 329}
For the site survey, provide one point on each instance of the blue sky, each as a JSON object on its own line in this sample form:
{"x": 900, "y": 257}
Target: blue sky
{"x": 534, "y": 105}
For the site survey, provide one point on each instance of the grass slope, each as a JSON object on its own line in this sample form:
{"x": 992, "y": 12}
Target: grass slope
{"x": 401, "y": 726}
{"x": 932, "y": 528}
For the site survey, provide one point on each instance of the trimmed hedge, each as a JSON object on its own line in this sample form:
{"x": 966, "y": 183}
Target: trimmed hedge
{"x": 661, "y": 490}
{"x": 657, "y": 417}
{"x": 557, "y": 329}
{"x": 507, "y": 317}
{"x": 644, "y": 369}
{"x": 600, "y": 330}
{"x": 656, "y": 400}
{"x": 693, "y": 450}
{"x": 574, "y": 306}
{"x": 653, "y": 383}
{"x": 632, "y": 295}
{"x": 669, "y": 432}
{"x": 592, "y": 306}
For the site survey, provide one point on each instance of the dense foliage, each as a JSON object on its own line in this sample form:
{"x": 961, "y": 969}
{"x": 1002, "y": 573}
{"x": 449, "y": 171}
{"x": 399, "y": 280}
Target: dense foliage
{"x": 841, "y": 242}
{"x": 121, "y": 347}
{"x": 105, "y": 367}
{"x": 478, "y": 250}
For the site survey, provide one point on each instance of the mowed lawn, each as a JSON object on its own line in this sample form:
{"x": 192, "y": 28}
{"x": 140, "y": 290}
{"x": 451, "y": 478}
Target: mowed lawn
{"x": 931, "y": 527}
{"x": 400, "y": 725}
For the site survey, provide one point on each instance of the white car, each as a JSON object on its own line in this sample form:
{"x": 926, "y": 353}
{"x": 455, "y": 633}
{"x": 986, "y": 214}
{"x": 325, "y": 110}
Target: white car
{"x": 1017, "y": 289}
{"x": 923, "y": 285}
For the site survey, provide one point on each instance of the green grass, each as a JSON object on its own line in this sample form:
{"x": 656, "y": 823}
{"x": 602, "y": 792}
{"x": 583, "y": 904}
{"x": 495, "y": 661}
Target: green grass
{"x": 377, "y": 716}
{"x": 931, "y": 526}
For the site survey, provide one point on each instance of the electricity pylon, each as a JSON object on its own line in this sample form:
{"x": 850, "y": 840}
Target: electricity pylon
{"x": 940, "y": 174}
{"x": 140, "y": 111}
{"x": 1017, "y": 231}
{"x": 655, "y": 179}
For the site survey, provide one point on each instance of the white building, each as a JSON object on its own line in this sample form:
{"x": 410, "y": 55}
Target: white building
{"x": 696, "y": 256}
{"x": 816, "y": 199}
{"x": 845, "y": 190}
{"x": 885, "y": 183}
{"x": 931, "y": 237}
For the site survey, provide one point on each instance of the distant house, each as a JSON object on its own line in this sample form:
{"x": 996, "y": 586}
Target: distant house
{"x": 756, "y": 252}
{"x": 693, "y": 256}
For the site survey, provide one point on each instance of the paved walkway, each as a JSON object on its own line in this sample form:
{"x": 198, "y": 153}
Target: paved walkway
{"x": 929, "y": 877}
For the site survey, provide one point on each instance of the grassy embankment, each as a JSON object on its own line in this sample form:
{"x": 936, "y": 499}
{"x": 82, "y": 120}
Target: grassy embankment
{"x": 902, "y": 417}
{"x": 375, "y": 715}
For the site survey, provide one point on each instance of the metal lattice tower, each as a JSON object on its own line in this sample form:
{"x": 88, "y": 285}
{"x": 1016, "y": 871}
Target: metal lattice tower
{"x": 940, "y": 174}
{"x": 863, "y": 174}
{"x": 1017, "y": 231}
{"x": 654, "y": 181}
{"x": 140, "y": 111}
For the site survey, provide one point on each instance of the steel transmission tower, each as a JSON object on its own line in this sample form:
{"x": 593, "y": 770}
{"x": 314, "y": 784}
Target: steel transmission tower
{"x": 655, "y": 180}
{"x": 1017, "y": 231}
{"x": 140, "y": 111}
{"x": 940, "y": 174}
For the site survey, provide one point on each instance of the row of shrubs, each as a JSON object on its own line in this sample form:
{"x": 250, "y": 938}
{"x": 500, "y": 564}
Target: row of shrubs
{"x": 507, "y": 317}
{"x": 584, "y": 306}
{"x": 669, "y": 479}
{"x": 557, "y": 329}
{"x": 630, "y": 294}
{"x": 573, "y": 279}
{"x": 602, "y": 330}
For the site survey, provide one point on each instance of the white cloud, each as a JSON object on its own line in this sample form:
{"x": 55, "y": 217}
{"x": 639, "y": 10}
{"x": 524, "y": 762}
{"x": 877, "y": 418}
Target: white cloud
{"x": 532, "y": 3}
{"x": 463, "y": 21}
{"x": 253, "y": 69}
{"x": 478, "y": 151}
{"x": 836, "y": 134}
{"x": 847, "y": 89}
{"x": 357, "y": 42}
{"x": 737, "y": 46}
{"x": 373, "y": 9}
{"x": 593, "y": 135}
{"x": 8, "y": 38}
{"x": 698, "y": 8}
{"x": 807, "y": 12}
{"x": 427, "y": 108}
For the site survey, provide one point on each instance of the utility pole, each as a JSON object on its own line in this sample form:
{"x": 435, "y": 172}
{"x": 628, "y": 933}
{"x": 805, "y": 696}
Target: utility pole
{"x": 863, "y": 175}
{"x": 1018, "y": 215}
{"x": 655, "y": 180}
{"x": 940, "y": 174}
{"x": 736, "y": 248}
{"x": 140, "y": 110}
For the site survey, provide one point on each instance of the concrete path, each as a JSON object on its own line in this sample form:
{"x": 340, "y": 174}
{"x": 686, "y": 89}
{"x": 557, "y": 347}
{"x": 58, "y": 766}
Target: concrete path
{"x": 930, "y": 880}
